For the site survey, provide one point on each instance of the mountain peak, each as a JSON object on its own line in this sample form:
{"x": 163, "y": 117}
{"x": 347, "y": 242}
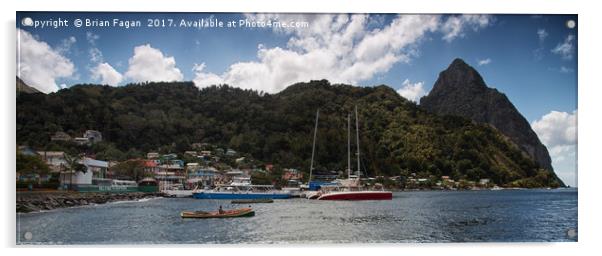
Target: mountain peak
{"x": 458, "y": 62}
{"x": 459, "y": 75}
{"x": 461, "y": 91}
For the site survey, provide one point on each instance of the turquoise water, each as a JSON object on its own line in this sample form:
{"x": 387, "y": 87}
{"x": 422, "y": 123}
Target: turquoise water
{"x": 429, "y": 216}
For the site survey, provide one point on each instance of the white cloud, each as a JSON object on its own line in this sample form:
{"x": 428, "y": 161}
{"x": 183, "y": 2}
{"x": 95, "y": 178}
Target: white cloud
{"x": 565, "y": 49}
{"x": 455, "y": 26}
{"x": 95, "y": 55}
{"x": 558, "y": 131}
{"x": 557, "y": 128}
{"x": 149, "y": 64}
{"x": 538, "y": 53}
{"x": 203, "y": 79}
{"x": 484, "y": 62}
{"x": 565, "y": 70}
{"x": 106, "y": 74}
{"x": 412, "y": 91}
{"x": 91, "y": 37}
{"x": 66, "y": 44}
{"x": 101, "y": 70}
{"x": 39, "y": 65}
{"x": 542, "y": 35}
{"x": 340, "y": 48}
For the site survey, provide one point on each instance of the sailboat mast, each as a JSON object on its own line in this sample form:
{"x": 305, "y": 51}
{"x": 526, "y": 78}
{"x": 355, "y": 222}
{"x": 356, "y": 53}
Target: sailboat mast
{"x": 357, "y": 136}
{"x": 313, "y": 148}
{"x": 349, "y": 146}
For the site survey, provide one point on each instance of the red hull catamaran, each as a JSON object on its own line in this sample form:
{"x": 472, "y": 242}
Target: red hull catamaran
{"x": 354, "y": 193}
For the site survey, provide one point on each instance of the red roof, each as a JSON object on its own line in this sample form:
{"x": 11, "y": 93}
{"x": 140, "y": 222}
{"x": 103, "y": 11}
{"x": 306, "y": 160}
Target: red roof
{"x": 150, "y": 163}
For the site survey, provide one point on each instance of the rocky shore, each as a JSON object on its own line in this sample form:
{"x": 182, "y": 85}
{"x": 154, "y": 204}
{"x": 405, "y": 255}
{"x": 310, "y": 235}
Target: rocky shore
{"x": 37, "y": 201}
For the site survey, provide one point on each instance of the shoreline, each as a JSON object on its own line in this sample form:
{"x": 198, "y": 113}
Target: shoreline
{"x": 44, "y": 200}
{"x": 38, "y": 201}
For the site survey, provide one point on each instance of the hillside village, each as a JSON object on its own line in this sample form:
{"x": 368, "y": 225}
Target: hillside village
{"x": 203, "y": 166}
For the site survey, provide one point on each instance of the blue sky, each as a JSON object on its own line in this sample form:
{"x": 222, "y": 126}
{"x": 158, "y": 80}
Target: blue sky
{"x": 530, "y": 58}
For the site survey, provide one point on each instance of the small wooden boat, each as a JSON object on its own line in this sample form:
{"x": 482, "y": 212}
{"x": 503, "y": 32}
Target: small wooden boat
{"x": 253, "y": 201}
{"x": 242, "y": 212}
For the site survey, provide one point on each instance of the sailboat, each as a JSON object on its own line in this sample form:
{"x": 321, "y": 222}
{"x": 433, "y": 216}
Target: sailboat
{"x": 313, "y": 186}
{"x": 313, "y": 194}
{"x": 351, "y": 189}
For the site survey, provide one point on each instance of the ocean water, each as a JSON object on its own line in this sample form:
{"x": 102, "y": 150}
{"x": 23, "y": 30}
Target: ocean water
{"x": 422, "y": 216}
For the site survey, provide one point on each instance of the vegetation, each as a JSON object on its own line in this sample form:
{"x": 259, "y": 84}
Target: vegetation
{"x": 130, "y": 169}
{"x": 397, "y": 136}
{"x": 31, "y": 165}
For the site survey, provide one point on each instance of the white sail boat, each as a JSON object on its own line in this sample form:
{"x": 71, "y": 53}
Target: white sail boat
{"x": 351, "y": 189}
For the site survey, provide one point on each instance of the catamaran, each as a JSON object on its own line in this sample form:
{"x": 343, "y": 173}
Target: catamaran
{"x": 350, "y": 188}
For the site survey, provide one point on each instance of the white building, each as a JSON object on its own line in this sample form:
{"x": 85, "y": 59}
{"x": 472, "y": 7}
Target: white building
{"x": 95, "y": 169}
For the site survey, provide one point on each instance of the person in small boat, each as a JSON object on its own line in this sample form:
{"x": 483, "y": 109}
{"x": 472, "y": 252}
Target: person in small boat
{"x": 220, "y": 211}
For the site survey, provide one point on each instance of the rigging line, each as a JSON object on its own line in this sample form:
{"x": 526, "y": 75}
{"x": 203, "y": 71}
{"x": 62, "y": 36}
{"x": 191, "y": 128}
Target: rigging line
{"x": 357, "y": 134}
{"x": 313, "y": 149}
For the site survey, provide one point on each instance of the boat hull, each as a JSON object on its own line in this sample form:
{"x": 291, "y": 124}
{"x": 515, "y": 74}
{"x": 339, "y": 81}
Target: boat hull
{"x": 357, "y": 195}
{"x": 229, "y": 195}
{"x": 312, "y": 194}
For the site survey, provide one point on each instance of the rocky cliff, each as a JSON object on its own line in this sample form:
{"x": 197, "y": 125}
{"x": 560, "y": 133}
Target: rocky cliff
{"x": 460, "y": 90}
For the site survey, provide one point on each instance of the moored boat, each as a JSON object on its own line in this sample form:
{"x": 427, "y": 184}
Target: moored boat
{"x": 242, "y": 212}
{"x": 177, "y": 191}
{"x": 350, "y": 188}
{"x": 247, "y": 192}
{"x": 312, "y": 194}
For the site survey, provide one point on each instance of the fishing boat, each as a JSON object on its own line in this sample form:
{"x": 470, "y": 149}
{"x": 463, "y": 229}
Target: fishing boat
{"x": 242, "y": 212}
{"x": 350, "y": 188}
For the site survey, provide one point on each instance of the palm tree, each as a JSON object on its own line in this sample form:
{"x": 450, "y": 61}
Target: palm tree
{"x": 74, "y": 166}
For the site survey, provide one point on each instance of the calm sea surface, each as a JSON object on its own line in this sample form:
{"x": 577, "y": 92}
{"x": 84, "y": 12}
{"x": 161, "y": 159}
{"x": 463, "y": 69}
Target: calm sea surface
{"x": 430, "y": 216}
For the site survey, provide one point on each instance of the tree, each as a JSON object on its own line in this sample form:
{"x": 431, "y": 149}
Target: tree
{"x": 133, "y": 169}
{"x": 276, "y": 128}
{"x": 31, "y": 164}
{"x": 74, "y": 166}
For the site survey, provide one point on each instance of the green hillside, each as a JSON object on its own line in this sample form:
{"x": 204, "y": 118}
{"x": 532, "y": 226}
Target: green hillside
{"x": 397, "y": 137}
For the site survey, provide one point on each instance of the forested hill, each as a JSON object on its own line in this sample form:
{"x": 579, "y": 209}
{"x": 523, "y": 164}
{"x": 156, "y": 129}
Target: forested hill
{"x": 397, "y": 137}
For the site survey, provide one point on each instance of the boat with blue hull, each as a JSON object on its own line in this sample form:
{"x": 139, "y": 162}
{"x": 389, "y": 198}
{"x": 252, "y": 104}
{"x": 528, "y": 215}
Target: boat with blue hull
{"x": 242, "y": 190}
{"x": 239, "y": 195}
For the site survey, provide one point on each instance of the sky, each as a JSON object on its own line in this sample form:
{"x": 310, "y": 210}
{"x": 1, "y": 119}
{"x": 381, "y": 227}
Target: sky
{"x": 530, "y": 58}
